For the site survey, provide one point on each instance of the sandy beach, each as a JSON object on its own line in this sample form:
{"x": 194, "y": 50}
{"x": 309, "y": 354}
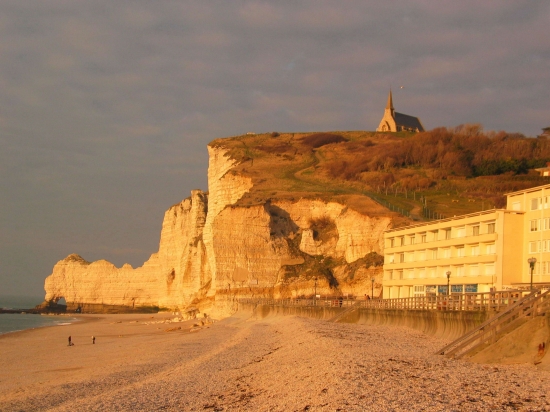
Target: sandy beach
{"x": 238, "y": 364}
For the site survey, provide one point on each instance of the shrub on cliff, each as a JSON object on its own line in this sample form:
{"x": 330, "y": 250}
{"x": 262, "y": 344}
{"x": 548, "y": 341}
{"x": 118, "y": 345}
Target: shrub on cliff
{"x": 321, "y": 139}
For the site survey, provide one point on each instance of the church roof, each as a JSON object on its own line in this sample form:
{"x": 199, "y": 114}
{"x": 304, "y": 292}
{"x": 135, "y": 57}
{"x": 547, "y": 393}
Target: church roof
{"x": 408, "y": 121}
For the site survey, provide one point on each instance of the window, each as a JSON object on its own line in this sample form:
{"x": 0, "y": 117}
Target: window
{"x": 400, "y": 241}
{"x": 391, "y": 242}
{"x": 490, "y": 249}
{"x": 419, "y": 290}
{"x": 446, "y": 252}
{"x": 534, "y": 204}
{"x": 532, "y": 247}
{"x": 410, "y": 274}
{"x": 432, "y": 272}
{"x": 460, "y": 231}
{"x": 516, "y": 206}
{"x": 475, "y": 230}
{"x": 534, "y": 225}
{"x": 432, "y": 253}
{"x": 401, "y": 257}
{"x": 422, "y": 255}
{"x": 490, "y": 228}
{"x": 460, "y": 251}
{"x": 473, "y": 270}
{"x": 400, "y": 274}
{"x": 423, "y": 238}
{"x": 447, "y": 234}
{"x": 489, "y": 269}
{"x": 422, "y": 273}
{"x": 459, "y": 271}
{"x": 390, "y": 258}
{"x": 474, "y": 250}
{"x": 409, "y": 257}
{"x": 411, "y": 240}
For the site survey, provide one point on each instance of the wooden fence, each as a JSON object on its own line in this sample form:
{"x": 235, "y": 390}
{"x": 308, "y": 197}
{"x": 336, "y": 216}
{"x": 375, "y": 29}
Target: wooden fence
{"x": 489, "y": 301}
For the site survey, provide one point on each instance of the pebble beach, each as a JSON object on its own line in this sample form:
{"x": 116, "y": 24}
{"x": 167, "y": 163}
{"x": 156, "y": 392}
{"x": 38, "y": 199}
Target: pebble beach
{"x": 143, "y": 363}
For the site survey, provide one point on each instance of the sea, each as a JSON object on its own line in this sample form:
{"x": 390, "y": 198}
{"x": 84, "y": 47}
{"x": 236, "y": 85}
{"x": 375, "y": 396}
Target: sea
{"x": 12, "y": 322}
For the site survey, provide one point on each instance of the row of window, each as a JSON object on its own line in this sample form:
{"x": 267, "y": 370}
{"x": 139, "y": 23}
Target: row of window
{"x": 442, "y": 234}
{"x": 539, "y": 246}
{"x": 537, "y": 225}
{"x": 538, "y": 203}
{"x": 422, "y": 290}
{"x": 487, "y": 269}
{"x": 442, "y": 253}
{"x": 542, "y": 268}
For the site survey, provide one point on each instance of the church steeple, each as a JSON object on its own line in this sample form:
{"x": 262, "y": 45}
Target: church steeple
{"x": 389, "y": 106}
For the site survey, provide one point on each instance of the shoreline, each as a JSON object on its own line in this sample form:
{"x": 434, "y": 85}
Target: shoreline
{"x": 78, "y": 318}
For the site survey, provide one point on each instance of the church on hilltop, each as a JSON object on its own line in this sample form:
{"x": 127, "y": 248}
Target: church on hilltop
{"x": 393, "y": 121}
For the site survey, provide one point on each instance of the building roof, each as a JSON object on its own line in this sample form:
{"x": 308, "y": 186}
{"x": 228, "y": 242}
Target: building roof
{"x": 450, "y": 219}
{"x": 531, "y": 189}
{"x": 407, "y": 121}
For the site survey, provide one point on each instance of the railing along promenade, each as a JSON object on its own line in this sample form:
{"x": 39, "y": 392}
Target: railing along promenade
{"x": 487, "y": 301}
{"x": 534, "y": 304}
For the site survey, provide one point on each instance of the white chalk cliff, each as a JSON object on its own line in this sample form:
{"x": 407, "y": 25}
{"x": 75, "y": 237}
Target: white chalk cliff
{"x": 213, "y": 251}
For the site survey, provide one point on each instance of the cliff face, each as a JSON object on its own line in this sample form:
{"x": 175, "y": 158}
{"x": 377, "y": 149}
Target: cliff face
{"x": 213, "y": 250}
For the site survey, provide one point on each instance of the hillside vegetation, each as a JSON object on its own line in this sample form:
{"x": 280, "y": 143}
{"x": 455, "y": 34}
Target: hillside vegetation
{"x": 442, "y": 172}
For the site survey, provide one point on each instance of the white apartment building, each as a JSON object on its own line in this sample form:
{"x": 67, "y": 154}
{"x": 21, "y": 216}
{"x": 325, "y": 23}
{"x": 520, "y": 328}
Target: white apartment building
{"x": 480, "y": 250}
{"x": 535, "y": 202}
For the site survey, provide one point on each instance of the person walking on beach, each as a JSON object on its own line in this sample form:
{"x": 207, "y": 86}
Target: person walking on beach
{"x": 70, "y": 342}
{"x": 93, "y": 340}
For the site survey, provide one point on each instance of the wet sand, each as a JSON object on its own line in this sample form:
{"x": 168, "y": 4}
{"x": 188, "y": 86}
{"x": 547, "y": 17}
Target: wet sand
{"x": 240, "y": 364}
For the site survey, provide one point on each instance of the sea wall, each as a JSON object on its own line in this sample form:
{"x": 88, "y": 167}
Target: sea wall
{"x": 444, "y": 324}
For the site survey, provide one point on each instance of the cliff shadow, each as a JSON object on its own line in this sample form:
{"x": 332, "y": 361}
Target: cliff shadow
{"x": 280, "y": 223}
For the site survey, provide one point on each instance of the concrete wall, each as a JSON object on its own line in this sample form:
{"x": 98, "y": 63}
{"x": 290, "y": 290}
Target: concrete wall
{"x": 449, "y": 325}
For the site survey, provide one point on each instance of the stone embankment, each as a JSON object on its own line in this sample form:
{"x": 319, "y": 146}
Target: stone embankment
{"x": 443, "y": 324}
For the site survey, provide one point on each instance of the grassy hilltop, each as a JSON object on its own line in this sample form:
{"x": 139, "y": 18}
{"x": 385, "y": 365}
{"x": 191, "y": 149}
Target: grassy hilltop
{"x": 443, "y": 172}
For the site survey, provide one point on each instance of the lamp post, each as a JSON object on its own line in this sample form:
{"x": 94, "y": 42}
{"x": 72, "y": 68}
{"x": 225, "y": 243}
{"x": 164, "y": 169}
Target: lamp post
{"x": 315, "y": 291}
{"x": 372, "y": 288}
{"x": 532, "y": 262}
{"x": 448, "y": 283}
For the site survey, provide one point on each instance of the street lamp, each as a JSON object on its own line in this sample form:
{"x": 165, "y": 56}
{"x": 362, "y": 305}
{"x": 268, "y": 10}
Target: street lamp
{"x": 448, "y": 283}
{"x": 315, "y": 291}
{"x": 532, "y": 262}
{"x": 372, "y": 288}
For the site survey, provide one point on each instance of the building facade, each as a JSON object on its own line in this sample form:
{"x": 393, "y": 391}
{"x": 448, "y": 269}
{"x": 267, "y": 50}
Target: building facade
{"x": 393, "y": 121}
{"x": 480, "y": 250}
{"x": 535, "y": 202}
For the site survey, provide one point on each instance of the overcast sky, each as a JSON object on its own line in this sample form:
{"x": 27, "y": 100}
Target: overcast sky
{"x": 106, "y": 107}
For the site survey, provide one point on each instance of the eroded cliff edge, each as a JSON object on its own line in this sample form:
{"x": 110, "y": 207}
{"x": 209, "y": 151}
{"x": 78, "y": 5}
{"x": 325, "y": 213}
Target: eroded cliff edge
{"x": 216, "y": 247}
